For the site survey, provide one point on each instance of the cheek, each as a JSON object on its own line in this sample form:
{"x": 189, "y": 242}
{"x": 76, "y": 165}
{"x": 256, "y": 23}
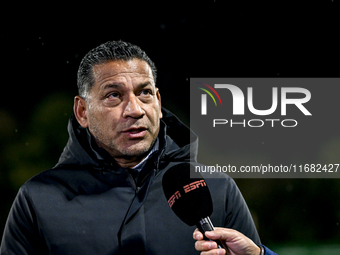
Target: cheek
{"x": 99, "y": 117}
{"x": 155, "y": 118}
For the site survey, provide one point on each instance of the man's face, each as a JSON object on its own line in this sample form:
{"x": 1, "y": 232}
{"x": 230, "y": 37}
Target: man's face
{"x": 123, "y": 109}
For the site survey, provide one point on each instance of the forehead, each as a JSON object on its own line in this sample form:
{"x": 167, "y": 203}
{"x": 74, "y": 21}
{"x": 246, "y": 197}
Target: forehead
{"x": 119, "y": 69}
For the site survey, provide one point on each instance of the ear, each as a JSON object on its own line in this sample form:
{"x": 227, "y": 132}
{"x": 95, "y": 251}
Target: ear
{"x": 80, "y": 109}
{"x": 159, "y": 103}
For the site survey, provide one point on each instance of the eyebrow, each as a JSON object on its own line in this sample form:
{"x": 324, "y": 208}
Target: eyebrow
{"x": 112, "y": 85}
{"x": 117, "y": 85}
{"x": 142, "y": 85}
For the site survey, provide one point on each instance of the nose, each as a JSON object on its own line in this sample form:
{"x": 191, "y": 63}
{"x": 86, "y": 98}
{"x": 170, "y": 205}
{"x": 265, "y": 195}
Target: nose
{"x": 133, "y": 108}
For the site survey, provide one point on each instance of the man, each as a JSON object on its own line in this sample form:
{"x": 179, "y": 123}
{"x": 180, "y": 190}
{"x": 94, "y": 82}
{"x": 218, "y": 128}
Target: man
{"x": 105, "y": 194}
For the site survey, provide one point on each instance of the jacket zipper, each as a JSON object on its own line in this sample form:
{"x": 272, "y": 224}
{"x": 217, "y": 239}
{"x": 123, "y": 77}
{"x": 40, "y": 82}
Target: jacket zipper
{"x": 133, "y": 182}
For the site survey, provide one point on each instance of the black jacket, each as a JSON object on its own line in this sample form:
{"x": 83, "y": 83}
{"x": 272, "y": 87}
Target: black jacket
{"x": 87, "y": 204}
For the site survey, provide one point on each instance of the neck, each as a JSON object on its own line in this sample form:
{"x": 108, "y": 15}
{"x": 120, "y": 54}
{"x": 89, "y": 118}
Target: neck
{"x": 128, "y": 162}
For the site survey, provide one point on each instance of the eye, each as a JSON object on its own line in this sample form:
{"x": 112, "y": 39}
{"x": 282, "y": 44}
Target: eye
{"x": 146, "y": 92}
{"x": 113, "y": 95}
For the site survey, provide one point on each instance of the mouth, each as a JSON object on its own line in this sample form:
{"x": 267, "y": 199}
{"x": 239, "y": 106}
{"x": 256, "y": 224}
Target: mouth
{"x": 135, "y": 132}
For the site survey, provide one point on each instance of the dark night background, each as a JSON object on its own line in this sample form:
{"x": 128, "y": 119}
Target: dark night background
{"x": 43, "y": 44}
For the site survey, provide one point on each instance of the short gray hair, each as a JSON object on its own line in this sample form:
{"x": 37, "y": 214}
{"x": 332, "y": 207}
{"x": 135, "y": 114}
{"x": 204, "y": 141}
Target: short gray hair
{"x": 106, "y": 52}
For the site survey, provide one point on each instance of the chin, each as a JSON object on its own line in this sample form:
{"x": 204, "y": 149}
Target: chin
{"x": 136, "y": 150}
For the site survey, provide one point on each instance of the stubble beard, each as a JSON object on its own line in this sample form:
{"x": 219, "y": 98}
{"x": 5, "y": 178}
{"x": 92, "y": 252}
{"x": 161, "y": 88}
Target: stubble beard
{"x": 116, "y": 150}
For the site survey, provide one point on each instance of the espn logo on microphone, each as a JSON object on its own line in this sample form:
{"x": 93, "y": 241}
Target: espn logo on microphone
{"x": 187, "y": 188}
{"x": 194, "y": 185}
{"x": 173, "y": 198}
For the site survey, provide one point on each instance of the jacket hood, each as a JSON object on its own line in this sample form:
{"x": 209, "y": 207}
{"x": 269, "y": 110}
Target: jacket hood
{"x": 177, "y": 143}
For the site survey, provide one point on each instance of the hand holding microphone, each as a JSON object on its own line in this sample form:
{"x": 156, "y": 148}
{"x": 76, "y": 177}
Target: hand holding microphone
{"x": 237, "y": 243}
{"x": 188, "y": 197}
{"x": 191, "y": 201}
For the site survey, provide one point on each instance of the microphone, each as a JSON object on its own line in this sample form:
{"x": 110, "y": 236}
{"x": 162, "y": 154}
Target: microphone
{"x": 189, "y": 198}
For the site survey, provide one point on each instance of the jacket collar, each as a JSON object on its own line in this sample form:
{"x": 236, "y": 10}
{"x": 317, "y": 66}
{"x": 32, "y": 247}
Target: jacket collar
{"x": 176, "y": 143}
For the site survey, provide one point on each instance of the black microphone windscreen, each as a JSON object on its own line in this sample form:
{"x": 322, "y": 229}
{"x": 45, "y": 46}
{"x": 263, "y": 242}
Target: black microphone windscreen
{"x": 189, "y": 198}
